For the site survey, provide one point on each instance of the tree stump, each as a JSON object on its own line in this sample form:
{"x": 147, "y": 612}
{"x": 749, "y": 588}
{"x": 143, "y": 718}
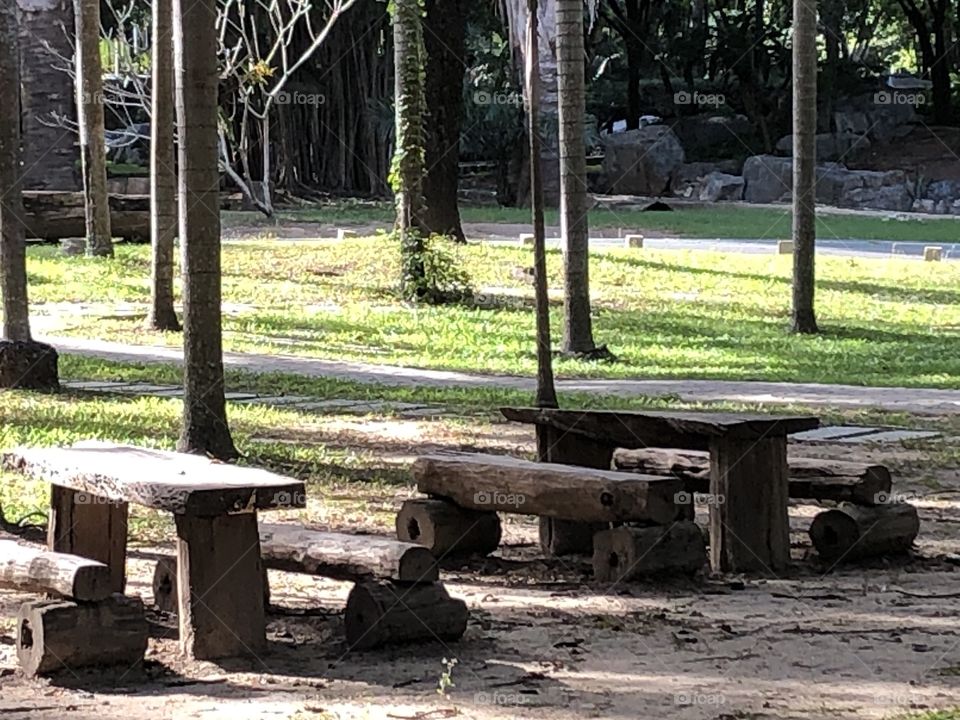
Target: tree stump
{"x": 447, "y": 529}
{"x": 386, "y": 613}
{"x": 28, "y": 366}
{"x": 58, "y": 635}
{"x": 853, "y": 532}
{"x": 626, "y": 553}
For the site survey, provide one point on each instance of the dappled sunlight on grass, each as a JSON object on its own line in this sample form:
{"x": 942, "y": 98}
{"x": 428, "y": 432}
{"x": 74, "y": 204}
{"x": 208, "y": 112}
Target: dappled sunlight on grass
{"x": 664, "y": 314}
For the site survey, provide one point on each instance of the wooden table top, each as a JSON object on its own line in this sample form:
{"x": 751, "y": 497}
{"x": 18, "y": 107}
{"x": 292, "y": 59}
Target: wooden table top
{"x": 158, "y": 479}
{"x": 639, "y": 429}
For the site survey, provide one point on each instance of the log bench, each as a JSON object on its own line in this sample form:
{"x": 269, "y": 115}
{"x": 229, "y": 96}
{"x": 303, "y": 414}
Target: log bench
{"x": 397, "y": 597}
{"x": 85, "y": 626}
{"x": 749, "y": 528}
{"x": 215, "y": 506}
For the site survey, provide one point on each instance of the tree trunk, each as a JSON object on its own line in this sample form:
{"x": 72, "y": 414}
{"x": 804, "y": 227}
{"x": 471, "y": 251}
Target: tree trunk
{"x": 205, "y": 428}
{"x": 13, "y": 263}
{"x": 49, "y": 153}
{"x": 546, "y": 388}
{"x": 940, "y": 71}
{"x": 549, "y": 102}
{"x": 163, "y": 174}
{"x": 409, "y": 161}
{"x": 90, "y": 102}
{"x": 578, "y": 326}
{"x": 804, "y": 163}
{"x": 445, "y": 32}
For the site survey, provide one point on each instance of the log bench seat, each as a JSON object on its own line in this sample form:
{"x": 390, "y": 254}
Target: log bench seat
{"x": 85, "y": 626}
{"x": 397, "y": 597}
{"x": 215, "y": 507}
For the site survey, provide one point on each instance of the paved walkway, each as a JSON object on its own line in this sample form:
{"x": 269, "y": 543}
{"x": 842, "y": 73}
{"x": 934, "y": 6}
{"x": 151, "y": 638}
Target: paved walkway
{"x": 912, "y": 400}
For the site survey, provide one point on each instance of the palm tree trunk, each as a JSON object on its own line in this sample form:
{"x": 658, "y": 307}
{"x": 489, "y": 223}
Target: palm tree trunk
{"x": 546, "y": 389}
{"x": 578, "y": 326}
{"x": 92, "y": 144}
{"x": 163, "y": 176}
{"x": 205, "y": 428}
{"x": 804, "y": 163}
{"x": 409, "y": 162}
{"x": 13, "y": 263}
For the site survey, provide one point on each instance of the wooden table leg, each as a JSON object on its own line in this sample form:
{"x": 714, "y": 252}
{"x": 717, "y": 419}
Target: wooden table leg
{"x": 92, "y": 527}
{"x": 749, "y": 527}
{"x": 220, "y": 586}
{"x": 569, "y": 537}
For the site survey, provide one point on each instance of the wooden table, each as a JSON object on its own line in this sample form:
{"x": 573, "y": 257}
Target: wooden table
{"x": 749, "y": 528}
{"x": 215, "y": 507}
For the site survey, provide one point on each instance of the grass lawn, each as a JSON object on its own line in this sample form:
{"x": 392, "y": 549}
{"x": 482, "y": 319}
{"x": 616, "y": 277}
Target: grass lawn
{"x": 720, "y": 221}
{"x": 664, "y": 314}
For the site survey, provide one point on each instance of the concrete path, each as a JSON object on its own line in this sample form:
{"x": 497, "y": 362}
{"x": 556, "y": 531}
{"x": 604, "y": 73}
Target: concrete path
{"x": 914, "y": 400}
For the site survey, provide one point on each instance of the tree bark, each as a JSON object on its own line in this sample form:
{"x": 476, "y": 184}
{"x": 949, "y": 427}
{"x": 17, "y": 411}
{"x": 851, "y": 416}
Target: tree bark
{"x": 13, "y": 262}
{"x": 90, "y": 103}
{"x": 578, "y": 326}
{"x": 163, "y": 174}
{"x": 205, "y": 428}
{"x": 409, "y": 162}
{"x": 445, "y": 34}
{"x": 546, "y": 388}
{"x": 804, "y": 164}
{"x": 49, "y": 153}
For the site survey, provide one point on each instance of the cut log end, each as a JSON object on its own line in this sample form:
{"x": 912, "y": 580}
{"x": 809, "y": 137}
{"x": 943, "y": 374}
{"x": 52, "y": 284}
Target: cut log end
{"x": 852, "y": 532}
{"x": 447, "y": 529}
{"x": 625, "y": 553}
{"x": 386, "y": 613}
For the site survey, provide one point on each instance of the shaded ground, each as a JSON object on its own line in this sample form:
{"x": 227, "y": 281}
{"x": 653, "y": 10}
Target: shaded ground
{"x": 546, "y": 642}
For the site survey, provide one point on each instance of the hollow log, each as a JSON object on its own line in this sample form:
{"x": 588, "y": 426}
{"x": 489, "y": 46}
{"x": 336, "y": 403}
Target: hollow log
{"x": 625, "y": 553}
{"x": 386, "y": 613}
{"x": 853, "y": 532}
{"x": 59, "y": 635}
{"x": 447, "y": 529}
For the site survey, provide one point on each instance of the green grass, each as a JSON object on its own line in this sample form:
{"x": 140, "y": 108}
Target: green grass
{"x": 664, "y": 314}
{"x": 721, "y": 221}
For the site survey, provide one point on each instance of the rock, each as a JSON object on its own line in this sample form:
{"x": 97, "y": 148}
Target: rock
{"x": 28, "y": 365}
{"x": 925, "y": 205}
{"x": 891, "y": 197}
{"x": 641, "y": 162}
{"x": 767, "y": 178}
{"x": 830, "y": 146}
{"x": 720, "y": 186}
{"x": 948, "y": 190}
{"x": 853, "y": 123}
{"x": 687, "y": 180}
{"x": 716, "y": 136}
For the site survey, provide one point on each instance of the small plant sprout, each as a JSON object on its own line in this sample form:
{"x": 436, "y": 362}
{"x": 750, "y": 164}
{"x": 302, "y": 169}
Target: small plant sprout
{"x": 446, "y": 677}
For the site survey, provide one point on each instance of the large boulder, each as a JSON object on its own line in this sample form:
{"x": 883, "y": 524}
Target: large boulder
{"x": 830, "y": 146}
{"x": 716, "y": 136}
{"x": 720, "y": 186}
{"x": 767, "y": 178}
{"x": 688, "y": 179}
{"x": 641, "y": 162}
{"x": 944, "y": 190}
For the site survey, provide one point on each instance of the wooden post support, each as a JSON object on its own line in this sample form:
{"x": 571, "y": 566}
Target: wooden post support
{"x": 166, "y": 588}
{"x": 58, "y": 635}
{"x": 220, "y": 579}
{"x": 749, "y": 528}
{"x": 851, "y": 532}
{"x": 626, "y": 553}
{"x": 447, "y": 529}
{"x": 386, "y": 613}
{"x": 90, "y": 526}
{"x": 563, "y": 537}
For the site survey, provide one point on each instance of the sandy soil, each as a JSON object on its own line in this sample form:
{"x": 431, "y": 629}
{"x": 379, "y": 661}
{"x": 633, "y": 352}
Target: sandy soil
{"x": 544, "y": 641}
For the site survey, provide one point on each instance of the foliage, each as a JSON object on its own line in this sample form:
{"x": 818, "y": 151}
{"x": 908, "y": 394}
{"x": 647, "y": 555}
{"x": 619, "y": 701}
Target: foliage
{"x": 443, "y": 280}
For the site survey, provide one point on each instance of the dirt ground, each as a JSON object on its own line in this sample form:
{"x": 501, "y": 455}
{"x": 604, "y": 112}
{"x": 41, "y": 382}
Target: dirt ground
{"x": 545, "y": 641}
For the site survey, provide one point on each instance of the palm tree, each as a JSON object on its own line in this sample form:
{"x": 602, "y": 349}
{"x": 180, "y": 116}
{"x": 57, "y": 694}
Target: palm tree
{"x": 163, "y": 178}
{"x": 90, "y": 104}
{"x": 23, "y": 363}
{"x": 205, "y": 428}
{"x": 804, "y": 164}
{"x": 409, "y": 161}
